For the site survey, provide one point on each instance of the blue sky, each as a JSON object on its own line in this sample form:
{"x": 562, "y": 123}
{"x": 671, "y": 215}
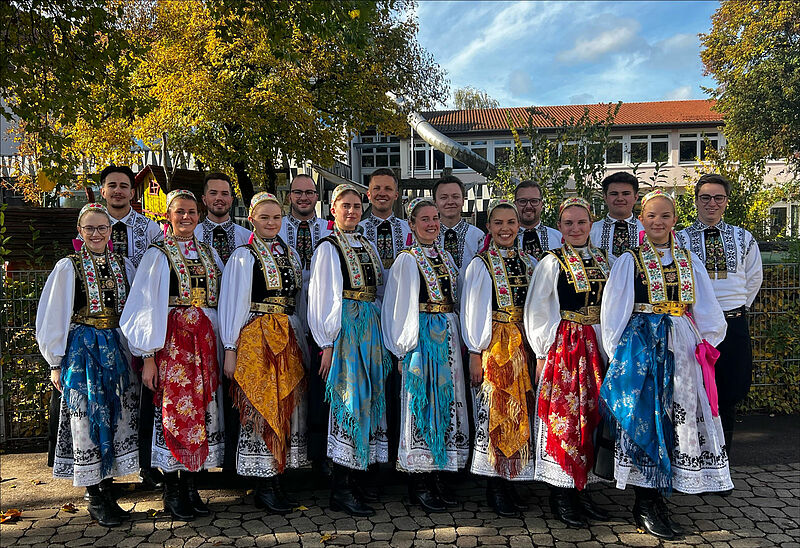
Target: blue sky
{"x": 555, "y": 53}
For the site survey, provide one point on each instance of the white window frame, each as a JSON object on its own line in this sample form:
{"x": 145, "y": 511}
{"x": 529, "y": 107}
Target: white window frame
{"x": 382, "y": 151}
{"x": 697, "y": 137}
{"x": 648, "y": 138}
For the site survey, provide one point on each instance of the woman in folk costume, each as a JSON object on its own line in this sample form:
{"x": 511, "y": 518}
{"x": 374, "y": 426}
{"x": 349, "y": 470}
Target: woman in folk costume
{"x": 420, "y": 327}
{"x": 663, "y": 307}
{"x": 492, "y": 301}
{"x": 77, "y": 328}
{"x": 562, "y": 322}
{"x": 265, "y": 353}
{"x": 345, "y": 322}
{"x": 171, "y": 321}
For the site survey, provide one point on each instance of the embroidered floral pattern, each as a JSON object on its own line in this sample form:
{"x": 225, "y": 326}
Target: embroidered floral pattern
{"x": 576, "y": 271}
{"x": 176, "y": 259}
{"x": 91, "y": 279}
{"x": 654, "y": 273}
{"x": 429, "y": 272}
{"x": 353, "y": 264}
{"x": 500, "y": 276}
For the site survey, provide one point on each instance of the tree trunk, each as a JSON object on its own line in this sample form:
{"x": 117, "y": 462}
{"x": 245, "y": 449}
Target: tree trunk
{"x": 245, "y": 183}
{"x": 272, "y": 177}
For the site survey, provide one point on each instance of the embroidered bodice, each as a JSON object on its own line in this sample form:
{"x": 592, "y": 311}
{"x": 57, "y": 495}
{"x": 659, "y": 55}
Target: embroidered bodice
{"x": 568, "y": 297}
{"x": 364, "y": 258}
{"x": 186, "y": 285}
{"x": 103, "y": 277}
{"x": 286, "y": 272}
{"x": 517, "y": 276}
{"x": 640, "y": 289}
{"x": 445, "y": 282}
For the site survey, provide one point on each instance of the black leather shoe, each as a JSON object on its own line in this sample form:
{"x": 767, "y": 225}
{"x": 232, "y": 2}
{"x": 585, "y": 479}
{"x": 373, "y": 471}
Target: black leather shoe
{"x": 176, "y": 500}
{"x": 100, "y": 510}
{"x": 438, "y": 487}
{"x": 199, "y": 508}
{"x": 420, "y": 492}
{"x": 152, "y": 479}
{"x": 343, "y": 498}
{"x": 277, "y": 485}
{"x": 498, "y": 500}
{"x": 513, "y": 495}
{"x": 676, "y": 529}
{"x": 107, "y": 490}
{"x": 363, "y": 486}
{"x": 590, "y": 509}
{"x": 565, "y": 507}
{"x": 267, "y": 497}
{"x": 649, "y": 518}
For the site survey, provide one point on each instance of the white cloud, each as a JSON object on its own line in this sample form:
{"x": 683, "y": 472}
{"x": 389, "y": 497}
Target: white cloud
{"x": 520, "y": 83}
{"x": 679, "y": 94}
{"x": 589, "y": 48}
{"x": 580, "y": 99}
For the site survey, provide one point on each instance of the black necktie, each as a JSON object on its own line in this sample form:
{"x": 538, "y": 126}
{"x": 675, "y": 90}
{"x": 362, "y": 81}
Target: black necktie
{"x": 715, "y": 253}
{"x": 304, "y": 245}
{"x": 451, "y": 245}
{"x": 384, "y": 243}
{"x": 620, "y": 242}
{"x": 219, "y": 240}
{"x": 119, "y": 237}
{"x": 531, "y": 243}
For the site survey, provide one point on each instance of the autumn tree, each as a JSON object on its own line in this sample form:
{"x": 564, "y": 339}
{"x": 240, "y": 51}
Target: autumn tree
{"x": 470, "y": 98}
{"x": 753, "y": 52}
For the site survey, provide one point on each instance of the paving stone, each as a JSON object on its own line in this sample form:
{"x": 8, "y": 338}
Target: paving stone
{"x": 402, "y": 539}
{"x": 638, "y": 539}
{"x": 446, "y": 535}
{"x": 384, "y": 531}
{"x": 467, "y": 541}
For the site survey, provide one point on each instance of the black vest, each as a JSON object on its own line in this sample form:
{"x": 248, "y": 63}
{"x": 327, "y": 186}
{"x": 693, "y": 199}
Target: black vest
{"x": 105, "y": 281}
{"x": 367, "y": 268}
{"x": 445, "y": 283}
{"x": 568, "y": 298}
{"x": 289, "y": 285}
{"x": 518, "y": 282}
{"x": 640, "y": 292}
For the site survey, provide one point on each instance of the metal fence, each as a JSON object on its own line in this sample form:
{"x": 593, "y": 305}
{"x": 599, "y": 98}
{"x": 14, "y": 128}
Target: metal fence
{"x": 25, "y": 387}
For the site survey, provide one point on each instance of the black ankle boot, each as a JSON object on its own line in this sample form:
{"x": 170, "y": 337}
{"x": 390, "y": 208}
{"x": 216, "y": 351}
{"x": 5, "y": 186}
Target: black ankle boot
{"x": 676, "y": 529}
{"x": 277, "y": 486}
{"x": 497, "y": 498}
{"x": 107, "y": 490}
{"x": 590, "y": 509}
{"x": 176, "y": 500}
{"x": 438, "y": 487}
{"x": 565, "y": 506}
{"x": 420, "y": 492}
{"x": 266, "y": 496}
{"x": 152, "y": 479}
{"x": 649, "y": 517}
{"x": 99, "y": 508}
{"x": 343, "y": 498}
{"x": 199, "y": 507}
{"x": 363, "y": 483}
{"x": 512, "y": 494}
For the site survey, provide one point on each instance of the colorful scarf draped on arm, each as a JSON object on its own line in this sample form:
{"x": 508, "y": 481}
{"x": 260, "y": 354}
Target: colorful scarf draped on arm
{"x": 637, "y": 393}
{"x": 429, "y": 383}
{"x": 94, "y": 369}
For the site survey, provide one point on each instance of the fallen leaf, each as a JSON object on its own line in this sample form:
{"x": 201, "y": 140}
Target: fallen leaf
{"x": 69, "y": 508}
{"x": 152, "y": 513}
{"x": 326, "y": 537}
{"x": 10, "y": 515}
{"x": 37, "y": 482}
{"x": 302, "y": 508}
{"x": 13, "y": 486}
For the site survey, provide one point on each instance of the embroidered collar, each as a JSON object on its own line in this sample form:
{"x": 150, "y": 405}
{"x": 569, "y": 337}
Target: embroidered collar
{"x": 128, "y": 220}
{"x": 227, "y": 224}
{"x": 353, "y": 264}
{"x": 178, "y": 264}
{"x": 429, "y": 272}
{"x": 573, "y": 266}
{"x": 92, "y": 283}
{"x": 500, "y": 276}
{"x": 654, "y": 272}
{"x": 296, "y": 222}
{"x": 611, "y": 220}
{"x": 263, "y": 250}
{"x": 700, "y": 226}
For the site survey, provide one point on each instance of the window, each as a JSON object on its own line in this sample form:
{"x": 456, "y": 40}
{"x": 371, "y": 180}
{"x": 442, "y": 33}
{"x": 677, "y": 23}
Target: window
{"x": 502, "y": 150}
{"x": 614, "y": 152}
{"x": 648, "y": 149}
{"x": 386, "y": 153}
{"x": 778, "y": 220}
{"x": 422, "y": 156}
{"x": 154, "y": 187}
{"x": 693, "y": 146}
{"x": 478, "y": 147}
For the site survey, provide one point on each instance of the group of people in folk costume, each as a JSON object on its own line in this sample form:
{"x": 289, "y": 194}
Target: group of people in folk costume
{"x": 352, "y": 342}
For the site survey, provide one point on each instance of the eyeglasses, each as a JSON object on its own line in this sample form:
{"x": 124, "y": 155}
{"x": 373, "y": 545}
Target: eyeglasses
{"x": 522, "y": 202}
{"x": 102, "y": 229}
{"x": 719, "y": 199}
{"x": 307, "y": 193}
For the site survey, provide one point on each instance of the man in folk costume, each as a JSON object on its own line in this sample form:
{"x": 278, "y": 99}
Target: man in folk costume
{"x": 345, "y": 321}
{"x": 562, "y": 323}
{"x": 661, "y": 322}
{"x": 534, "y": 238}
{"x": 302, "y": 230}
{"x": 420, "y": 327}
{"x": 733, "y": 261}
{"x": 77, "y": 329}
{"x": 170, "y": 319}
{"x": 458, "y": 237}
{"x": 265, "y": 354}
{"x": 495, "y": 288}
{"x": 619, "y": 230}
{"x": 220, "y": 232}
{"x": 390, "y": 236}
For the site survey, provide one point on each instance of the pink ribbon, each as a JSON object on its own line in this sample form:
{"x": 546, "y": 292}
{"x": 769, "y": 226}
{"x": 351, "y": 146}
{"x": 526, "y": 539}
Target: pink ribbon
{"x": 707, "y": 357}
{"x": 409, "y": 239}
{"x": 486, "y": 241}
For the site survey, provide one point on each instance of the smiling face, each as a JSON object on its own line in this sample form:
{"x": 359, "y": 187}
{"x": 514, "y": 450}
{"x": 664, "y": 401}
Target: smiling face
{"x": 303, "y": 197}
{"x": 503, "y": 225}
{"x": 575, "y": 224}
{"x": 117, "y": 191}
{"x": 346, "y": 210}
{"x": 382, "y": 193}
{"x": 183, "y": 216}
{"x": 529, "y": 204}
{"x": 425, "y": 224}
{"x": 95, "y": 229}
{"x": 450, "y": 201}
{"x": 266, "y": 219}
{"x": 620, "y": 198}
{"x": 709, "y": 211}
{"x": 218, "y": 199}
{"x": 658, "y": 218}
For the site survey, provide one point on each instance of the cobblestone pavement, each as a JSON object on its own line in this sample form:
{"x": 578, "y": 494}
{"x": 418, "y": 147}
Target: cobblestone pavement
{"x": 763, "y": 510}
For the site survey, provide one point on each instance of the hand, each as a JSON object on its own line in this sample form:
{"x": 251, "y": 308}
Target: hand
{"x": 150, "y": 374}
{"x": 475, "y": 369}
{"x": 55, "y": 378}
{"x": 230, "y": 363}
{"x": 325, "y": 363}
{"x": 540, "y": 363}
